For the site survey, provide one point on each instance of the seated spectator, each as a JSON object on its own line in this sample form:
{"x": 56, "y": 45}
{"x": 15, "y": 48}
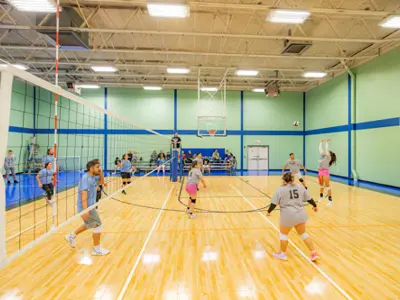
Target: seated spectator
{"x": 206, "y": 163}
{"x": 215, "y": 157}
{"x": 153, "y": 158}
{"x": 159, "y": 154}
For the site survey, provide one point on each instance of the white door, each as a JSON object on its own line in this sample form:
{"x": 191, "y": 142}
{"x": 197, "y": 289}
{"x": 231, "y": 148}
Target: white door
{"x": 257, "y": 158}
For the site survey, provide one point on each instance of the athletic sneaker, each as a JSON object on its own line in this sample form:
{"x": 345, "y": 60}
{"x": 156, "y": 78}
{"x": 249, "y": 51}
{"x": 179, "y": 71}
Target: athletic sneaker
{"x": 192, "y": 216}
{"x": 100, "y": 251}
{"x": 329, "y": 203}
{"x": 321, "y": 199}
{"x": 280, "y": 255}
{"x": 314, "y": 256}
{"x": 124, "y": 192}
{"x": 71, "y": 241}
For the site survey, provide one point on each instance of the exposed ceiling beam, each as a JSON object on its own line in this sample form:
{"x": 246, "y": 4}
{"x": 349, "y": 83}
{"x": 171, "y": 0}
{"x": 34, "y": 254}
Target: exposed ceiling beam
{"x": 183, "y": 77}
{"x": 164, "y": 66}
{"x": 186, "y": 86}
{"x": 200, "y": 34}
{"x": 177, "y": 52}
{"x": 212, "y": 5}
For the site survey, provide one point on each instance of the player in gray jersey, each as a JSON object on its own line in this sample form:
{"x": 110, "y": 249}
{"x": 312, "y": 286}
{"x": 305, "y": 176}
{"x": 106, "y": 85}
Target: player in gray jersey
{"x": 194, "y": 177}
{"x": 290, "y": 197}
{"x": 325, "y": 162}
{"x": 9, "y": 166}
{"x": 295, "y": 166}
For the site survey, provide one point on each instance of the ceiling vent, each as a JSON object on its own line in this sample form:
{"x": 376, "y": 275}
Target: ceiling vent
{"x": 295, "y": 48}
{"x": 68, "y": 39}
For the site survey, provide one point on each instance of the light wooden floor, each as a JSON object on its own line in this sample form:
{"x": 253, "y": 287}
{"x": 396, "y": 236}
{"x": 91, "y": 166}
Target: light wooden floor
{"x": 164, "y": 255}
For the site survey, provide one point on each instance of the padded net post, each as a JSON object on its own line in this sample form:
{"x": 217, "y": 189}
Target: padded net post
{"x": 174, "y": 164}
{"x": 5, "y": 96}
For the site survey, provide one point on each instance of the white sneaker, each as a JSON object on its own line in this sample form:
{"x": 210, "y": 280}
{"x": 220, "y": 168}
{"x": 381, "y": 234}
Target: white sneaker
{"x": 329, "y": 203}
{"x": 71, "y": 241}
{"x": 192, "y": 216}
{"x": 100, "y": 251}
{"x": 280, "y": 255}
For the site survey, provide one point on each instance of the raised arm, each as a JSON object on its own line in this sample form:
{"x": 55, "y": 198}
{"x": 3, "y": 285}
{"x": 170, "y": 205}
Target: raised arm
{"x": 321, "y": 151}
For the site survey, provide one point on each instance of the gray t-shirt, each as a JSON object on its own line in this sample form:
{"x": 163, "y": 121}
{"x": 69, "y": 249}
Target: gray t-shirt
{"x": 294, "y": 166}
{"x": 194, "y": 176}
{"x": 291, "y": 197}
{"x": 9, "y": 161}
{"x": 323, "y": 163}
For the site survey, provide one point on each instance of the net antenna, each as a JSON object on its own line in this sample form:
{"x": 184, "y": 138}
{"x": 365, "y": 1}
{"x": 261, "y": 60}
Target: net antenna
{"x": 211, "y": 106}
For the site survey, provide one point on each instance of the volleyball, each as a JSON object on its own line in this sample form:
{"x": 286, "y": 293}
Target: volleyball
{"x": 296, "y": 123}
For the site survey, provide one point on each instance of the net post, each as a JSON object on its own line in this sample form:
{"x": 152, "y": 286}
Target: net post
{"x": 6, "y": 82}
{"x": 174, "y": 165}
{"x": 181, "y": 163}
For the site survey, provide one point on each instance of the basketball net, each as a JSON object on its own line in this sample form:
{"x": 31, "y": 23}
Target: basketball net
{"x": 212, "y": 132}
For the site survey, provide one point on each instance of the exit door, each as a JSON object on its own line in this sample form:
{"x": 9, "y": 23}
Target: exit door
{"x": 257, "y": 158}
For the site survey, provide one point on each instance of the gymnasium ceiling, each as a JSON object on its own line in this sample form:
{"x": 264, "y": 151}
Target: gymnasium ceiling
{"x": 220, "y": 36}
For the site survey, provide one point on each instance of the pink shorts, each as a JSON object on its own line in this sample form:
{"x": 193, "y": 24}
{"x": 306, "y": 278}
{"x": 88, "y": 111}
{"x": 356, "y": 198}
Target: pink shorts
{"x": 321, "y": 173}
{"x": 191, "y": 188}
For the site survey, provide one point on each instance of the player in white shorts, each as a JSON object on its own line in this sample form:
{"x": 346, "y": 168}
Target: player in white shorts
{"x": 295, "y": 166}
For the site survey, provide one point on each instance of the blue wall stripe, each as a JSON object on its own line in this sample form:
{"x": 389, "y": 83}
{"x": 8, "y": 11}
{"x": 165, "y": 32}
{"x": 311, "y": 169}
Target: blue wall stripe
{"x": 241, "y": 129}
{"x": 175, "y": 109}
{"x": 105, "y": 128}
{"x": 304, "y": 128}
{"x": 349, "y": 127}
{"x": 342, "y": 128}
{"x": 23, "y": 130}
{"x": 376, "y": 124}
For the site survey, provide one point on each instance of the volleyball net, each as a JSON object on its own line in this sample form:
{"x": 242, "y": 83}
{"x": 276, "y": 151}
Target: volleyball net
{"x": 43, "y": 123}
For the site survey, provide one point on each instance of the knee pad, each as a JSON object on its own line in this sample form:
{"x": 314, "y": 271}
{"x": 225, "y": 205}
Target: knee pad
{"x": 304, "y": 236}
{"x": 283, "y": 237}
{"x": 301, "y": 180}
{"x": 98, "y": 229}
{"x": 123, "y": 183}
{"x": 193, "y": 201}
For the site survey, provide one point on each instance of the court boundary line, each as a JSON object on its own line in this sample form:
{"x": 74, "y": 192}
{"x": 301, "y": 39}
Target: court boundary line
{"x": 342, "y": 291}
{"x": 153, "y": 227}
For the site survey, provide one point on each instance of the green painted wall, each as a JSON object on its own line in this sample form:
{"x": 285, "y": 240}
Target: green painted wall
{"x": 279, "y": 148}
{"x": 21, "y": 115}
{"x": 377, "y": 90}
{"x": 326, "y": 105}
{"x": 150, "y": 109}
{"x": 261, "y": 113}
{"x": 188, "y": 109}
{"x": 376, "y": 155}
